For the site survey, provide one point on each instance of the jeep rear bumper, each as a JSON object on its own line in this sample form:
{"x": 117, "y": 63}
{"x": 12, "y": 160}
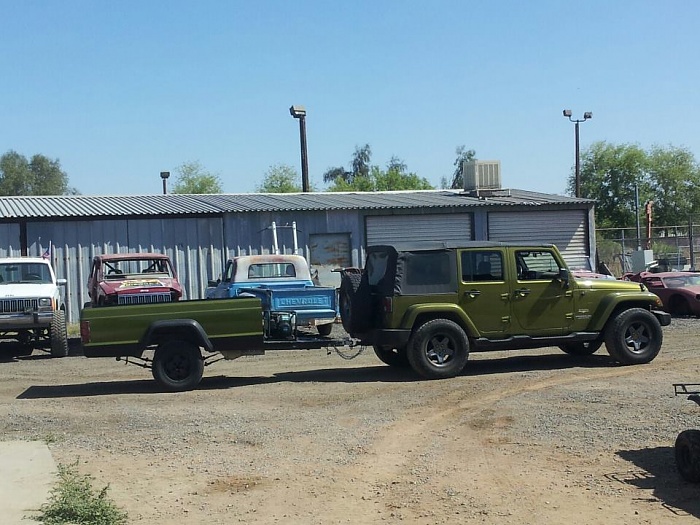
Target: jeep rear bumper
{"x": 394, "y": 338}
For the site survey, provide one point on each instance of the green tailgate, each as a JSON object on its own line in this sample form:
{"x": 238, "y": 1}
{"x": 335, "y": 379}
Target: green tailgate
{"x": 124, "y": 326}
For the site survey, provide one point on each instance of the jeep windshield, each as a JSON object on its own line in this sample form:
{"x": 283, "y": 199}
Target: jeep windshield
{"x": 117, "y": 269}
{"x": 25, "y": 272}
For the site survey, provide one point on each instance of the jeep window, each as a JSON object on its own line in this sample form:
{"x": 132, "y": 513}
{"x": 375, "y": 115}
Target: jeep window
{"x": 376, "y": 267}
{"x": 428, "y": 272}
{"x": 536, "y": 265}
{"x": 482, "y": 266}
{"x": 25, "y": 273}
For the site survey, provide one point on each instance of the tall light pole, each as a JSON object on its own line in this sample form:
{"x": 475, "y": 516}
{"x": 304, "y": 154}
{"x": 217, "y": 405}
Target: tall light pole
{"x": 299, "y": 112}
{"x": 587, "y": 115}
{"x": 164, "y": 175}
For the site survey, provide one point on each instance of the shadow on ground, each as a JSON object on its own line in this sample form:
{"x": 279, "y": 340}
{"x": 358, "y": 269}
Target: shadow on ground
{"x": 658, "y": 474}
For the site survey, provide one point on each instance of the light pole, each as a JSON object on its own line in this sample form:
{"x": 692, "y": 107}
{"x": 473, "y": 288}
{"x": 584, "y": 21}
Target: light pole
{"x": 587, "y": 115}
{"x": 164, "y": 175}
{"x": 299, "y": 112}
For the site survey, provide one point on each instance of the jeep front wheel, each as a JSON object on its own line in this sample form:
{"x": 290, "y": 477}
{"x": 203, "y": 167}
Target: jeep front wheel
{"x": 438, "y": 349}
{"x": 58, "y": 334}
{"x": 633, "y": 337}
{"x": 396, "y": 357}
{"x": 178, "y": 366}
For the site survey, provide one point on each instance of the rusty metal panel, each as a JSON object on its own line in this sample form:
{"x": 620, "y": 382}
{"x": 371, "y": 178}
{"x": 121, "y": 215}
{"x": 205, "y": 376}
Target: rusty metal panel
{"x": 328, "y": 251}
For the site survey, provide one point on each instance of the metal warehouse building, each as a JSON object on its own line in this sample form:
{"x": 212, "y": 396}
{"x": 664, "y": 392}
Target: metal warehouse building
{"x": 200, "y": 232}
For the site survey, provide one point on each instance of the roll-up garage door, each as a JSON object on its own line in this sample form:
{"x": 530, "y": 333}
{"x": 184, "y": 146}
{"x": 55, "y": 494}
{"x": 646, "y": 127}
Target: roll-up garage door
{"x": 391, "y": 229}
{"x": 566, "y": 229}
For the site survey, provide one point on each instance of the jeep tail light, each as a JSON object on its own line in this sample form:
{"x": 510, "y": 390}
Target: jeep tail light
{"x": 85, "y": 332}
{"x": 388, "y": 304}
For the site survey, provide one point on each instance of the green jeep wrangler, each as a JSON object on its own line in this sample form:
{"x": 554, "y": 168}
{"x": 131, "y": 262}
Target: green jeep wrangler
{"x": 427, "y": 306}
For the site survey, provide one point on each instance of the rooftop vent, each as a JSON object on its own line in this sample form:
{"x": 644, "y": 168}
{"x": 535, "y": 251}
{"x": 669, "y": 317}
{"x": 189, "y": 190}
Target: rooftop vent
{"x": 482, "y": 175}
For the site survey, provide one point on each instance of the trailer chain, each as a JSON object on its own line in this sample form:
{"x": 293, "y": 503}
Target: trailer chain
{"x": 348, "y": 356}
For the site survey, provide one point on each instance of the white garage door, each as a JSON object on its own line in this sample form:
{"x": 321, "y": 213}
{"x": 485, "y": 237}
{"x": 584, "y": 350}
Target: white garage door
{"x": 566, "y": 229}
{"x": 455, "y": 227}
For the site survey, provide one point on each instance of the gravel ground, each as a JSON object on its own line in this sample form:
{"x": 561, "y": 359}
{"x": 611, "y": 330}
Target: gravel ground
{"x": 306, "y": 437}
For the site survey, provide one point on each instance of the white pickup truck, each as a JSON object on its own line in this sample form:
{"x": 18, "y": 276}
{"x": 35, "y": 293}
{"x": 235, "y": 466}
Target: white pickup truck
{"x": 32, "y": 310}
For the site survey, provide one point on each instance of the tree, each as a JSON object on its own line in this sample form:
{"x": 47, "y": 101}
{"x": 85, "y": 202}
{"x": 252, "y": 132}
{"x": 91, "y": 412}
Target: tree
{"x": 457, "y": 179}
{"x": 193, "y": 178}
{"x": 38, "y": 176}
{"x": 361, "y": 160}
{"x": 394, "y": 178}
{"x": 609, "y": 173}
{"x": 280, "y": 178}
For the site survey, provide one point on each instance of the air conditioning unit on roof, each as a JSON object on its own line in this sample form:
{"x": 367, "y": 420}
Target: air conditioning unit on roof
{"x": 482, "y": 175}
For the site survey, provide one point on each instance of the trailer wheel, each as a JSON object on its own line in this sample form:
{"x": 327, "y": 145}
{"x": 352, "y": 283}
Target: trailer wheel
{"x": 58, "y": 334}
{"x": 633, "y": 337}
{"x": 687, "y": 452}
{"x": 178, "y": 366}
{"x": 396, "y": 357}
{"x": 438, "y": 349}
{"x": 581, "y": 349}
{"x": 325, "y": 329}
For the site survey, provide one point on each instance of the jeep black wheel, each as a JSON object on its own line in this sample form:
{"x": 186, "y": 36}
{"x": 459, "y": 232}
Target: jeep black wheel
{"x": 58, "y": 334}
{"x": 581, "y": 349}
{"x": 178, "y": 366}
{"x": 687, "y": 452}
{"x": 633, "y": 337}
{"x": 355, "y": 303}
{"x": 396, "y": 357}
{"x": 438, "y": 349}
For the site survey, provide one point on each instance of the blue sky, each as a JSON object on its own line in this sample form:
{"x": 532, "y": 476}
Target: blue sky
{"x": 120, "y": 91}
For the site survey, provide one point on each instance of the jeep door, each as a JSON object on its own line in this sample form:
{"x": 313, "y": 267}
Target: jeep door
{"x": 541, "y": 303}
{"x": 484, "y": 291}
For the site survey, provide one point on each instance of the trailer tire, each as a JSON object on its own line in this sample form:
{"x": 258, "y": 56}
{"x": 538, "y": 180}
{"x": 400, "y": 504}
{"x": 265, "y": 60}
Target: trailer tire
{"x": 633, "y": 337}
{"x": 355, "y": 302}
{"x": 178, "y": 366}
{"x": 395, "y": 357}
{"x": 438, "y": 349}
{"x": 58, "y": 334}
{"x": 581, "y": 348}
{"x": 325, "y": 329}
{"x": 687, "y": 452}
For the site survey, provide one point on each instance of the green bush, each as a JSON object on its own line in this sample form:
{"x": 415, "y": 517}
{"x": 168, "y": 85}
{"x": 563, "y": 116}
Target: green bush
{"x": 74, "y": 500}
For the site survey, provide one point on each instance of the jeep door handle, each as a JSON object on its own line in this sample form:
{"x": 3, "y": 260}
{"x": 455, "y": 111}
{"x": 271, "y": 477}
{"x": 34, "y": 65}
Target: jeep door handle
{"x": 521, "y": 292}
{"x": 472, "y": 294}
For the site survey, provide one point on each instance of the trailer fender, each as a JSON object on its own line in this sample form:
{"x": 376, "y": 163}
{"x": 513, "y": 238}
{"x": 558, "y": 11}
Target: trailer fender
{"x": 176, "y": 329}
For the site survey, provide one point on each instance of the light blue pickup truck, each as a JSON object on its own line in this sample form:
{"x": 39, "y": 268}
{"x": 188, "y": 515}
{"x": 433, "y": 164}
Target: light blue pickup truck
{"x": 283, "y": 283}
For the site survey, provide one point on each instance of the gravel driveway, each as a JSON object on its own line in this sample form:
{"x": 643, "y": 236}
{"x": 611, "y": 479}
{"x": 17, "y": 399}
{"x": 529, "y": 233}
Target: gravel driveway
{"x": 304, "y": 437}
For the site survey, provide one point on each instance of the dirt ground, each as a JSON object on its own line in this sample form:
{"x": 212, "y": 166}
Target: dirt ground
{"x": 309, "y": 438}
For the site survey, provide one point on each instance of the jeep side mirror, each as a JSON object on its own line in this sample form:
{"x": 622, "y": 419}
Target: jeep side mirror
{"x": 564, "y": 276}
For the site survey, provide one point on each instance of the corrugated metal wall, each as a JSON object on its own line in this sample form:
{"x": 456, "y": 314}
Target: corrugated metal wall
{"x": 566, "y": 229}
{"x": 383, "y": 229}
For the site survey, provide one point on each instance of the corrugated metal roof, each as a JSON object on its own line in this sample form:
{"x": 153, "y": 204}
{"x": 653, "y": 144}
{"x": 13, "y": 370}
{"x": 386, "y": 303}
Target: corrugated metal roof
{"x": 176, "y": 204}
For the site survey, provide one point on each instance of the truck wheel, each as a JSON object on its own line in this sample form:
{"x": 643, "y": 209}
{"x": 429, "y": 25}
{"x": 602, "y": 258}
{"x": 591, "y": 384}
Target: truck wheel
{"x": 633, "y": 337}
{"x": 325, "y": 329}
{"x": 687, "y": 453}
{"x": 58, "y": 334}
{"x": 438, "y": 349}
{"x": 396, "y": 357}
{"x": 355, "y": 303}
{"x": 581, "y": 349}
{"x": 178, "y": 366}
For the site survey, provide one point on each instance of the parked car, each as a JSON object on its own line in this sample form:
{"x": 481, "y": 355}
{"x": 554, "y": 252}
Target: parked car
{"x": 679, "y": 291}
{"x": 132, "y": 278}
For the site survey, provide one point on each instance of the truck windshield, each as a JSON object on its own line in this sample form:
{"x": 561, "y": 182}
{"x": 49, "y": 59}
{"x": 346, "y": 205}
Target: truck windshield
{"x": 21, "y": 272}
{"x": 117, "y": 269}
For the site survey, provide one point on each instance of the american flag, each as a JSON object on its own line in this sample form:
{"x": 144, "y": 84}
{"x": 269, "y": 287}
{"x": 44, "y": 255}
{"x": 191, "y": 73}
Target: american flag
{"x": 47, "y": 253}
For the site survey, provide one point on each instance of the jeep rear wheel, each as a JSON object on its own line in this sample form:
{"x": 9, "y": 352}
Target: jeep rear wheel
{"x": 58, "y": 334}
{"x": 396, "y": 357}
{"x": 438, "y": 349}
{"x": 633, "y": 337}
{"x": 178, "y": 366}
{"x": 687, "y": 452}
{"x": 581, "y": 349}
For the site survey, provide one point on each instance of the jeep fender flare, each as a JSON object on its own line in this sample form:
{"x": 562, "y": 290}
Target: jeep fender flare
{"x": 439, "y": 310}
{"x": 175, "y": 329}
{"x": 620, "y": 300}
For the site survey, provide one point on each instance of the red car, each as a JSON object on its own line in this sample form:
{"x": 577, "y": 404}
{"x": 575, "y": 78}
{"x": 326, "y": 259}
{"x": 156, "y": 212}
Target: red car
{"x": 679, "y": 291}
{"x": 132, "y": 278}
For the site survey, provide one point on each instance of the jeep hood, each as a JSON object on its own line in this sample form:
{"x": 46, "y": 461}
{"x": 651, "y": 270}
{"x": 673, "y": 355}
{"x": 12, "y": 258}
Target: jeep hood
{"x": 26, "y": 290}
{"x": 607, "y": 284}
